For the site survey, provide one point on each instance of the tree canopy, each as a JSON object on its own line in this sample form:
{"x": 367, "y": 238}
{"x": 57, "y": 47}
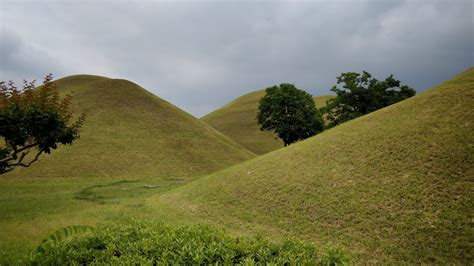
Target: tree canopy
{"x": 361, "y": 94}
{"x": 290, "y": 113}
{"x": 33, "y": 119}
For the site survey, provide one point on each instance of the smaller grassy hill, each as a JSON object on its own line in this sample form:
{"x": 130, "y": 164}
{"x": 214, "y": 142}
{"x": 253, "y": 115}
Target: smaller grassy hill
{"x": 237, "y": 120}
{"x": 130, "y": 132}
{"x": 394, "y": 186}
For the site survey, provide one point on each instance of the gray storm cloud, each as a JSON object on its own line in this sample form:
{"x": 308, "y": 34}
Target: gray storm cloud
{"x": 201, "y": 54}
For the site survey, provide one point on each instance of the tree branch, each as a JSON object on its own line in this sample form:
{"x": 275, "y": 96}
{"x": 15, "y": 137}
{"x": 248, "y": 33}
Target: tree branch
{"x": 28, "y": 164}
{"x": 16, "y": 151}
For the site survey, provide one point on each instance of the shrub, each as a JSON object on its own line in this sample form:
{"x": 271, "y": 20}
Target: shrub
{"x": 139, "y": 242}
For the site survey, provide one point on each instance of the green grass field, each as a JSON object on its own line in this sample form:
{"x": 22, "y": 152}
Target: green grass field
{"x": 237, "y": 120}
{"x": 132, "y": 144}
{"x": 394, "y": 186}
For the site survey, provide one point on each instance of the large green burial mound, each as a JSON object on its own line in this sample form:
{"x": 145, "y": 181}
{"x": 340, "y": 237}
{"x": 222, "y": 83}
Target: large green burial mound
{"x": 392, "y": 186}
{"x": 130, "y": 133}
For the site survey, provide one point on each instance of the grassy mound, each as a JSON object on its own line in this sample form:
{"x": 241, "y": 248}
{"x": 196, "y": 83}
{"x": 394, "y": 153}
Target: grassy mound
{"x": 147, "y": 243}
{"x": 237, "y": 120}
{"x": 394, "y": 185}
{"x": 133, "y": 145}
{"x": 129, "y": 132}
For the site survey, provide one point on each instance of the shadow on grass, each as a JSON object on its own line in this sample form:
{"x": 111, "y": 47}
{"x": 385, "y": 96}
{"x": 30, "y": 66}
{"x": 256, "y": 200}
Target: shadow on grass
{"x": 113, "y": 192}
{"x": 101, "y": 193}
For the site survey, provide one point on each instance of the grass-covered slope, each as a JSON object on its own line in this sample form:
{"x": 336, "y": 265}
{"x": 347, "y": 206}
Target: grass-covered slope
{"x": 237, "y": 120}
{"x": 133, "y": 145}
{"x": 395, "y": 185}
{"x": 129, "y": 132}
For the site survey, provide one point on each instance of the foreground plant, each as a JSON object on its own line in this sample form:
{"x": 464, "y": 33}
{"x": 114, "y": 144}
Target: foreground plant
{"x": 33, "y": 119}
{"x": 138, "y": 242}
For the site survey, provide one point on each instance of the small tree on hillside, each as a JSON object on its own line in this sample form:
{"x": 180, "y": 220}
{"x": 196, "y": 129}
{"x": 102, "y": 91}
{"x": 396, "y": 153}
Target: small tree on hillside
{"x": 362, "y": 94}
{"x": 33, "y": 120}
{"x": 290, "y": 113}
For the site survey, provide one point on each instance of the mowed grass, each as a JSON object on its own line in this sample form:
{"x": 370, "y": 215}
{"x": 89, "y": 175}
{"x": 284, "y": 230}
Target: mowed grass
{"x": 133, "y": 145}
{"x": 237, "y": 120}
{"x": 394, "y": 186}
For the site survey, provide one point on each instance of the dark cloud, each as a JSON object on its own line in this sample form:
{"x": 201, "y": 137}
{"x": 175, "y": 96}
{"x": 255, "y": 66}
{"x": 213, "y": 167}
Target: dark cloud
{"x": 21, "y": 61}
{"x": 201, "y": 54}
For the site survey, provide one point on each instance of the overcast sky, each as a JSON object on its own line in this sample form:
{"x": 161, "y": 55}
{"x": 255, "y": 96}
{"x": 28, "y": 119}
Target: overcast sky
{"x": 201, "y": 54}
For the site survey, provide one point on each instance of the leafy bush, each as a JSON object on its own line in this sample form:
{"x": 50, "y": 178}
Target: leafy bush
{"x": 139, "y": 242}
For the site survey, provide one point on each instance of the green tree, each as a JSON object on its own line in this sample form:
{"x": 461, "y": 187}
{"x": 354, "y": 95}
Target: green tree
{"x": 33, "y": 122}
{"x": 361, "y": 94}
{"x": 290, "y": 113}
